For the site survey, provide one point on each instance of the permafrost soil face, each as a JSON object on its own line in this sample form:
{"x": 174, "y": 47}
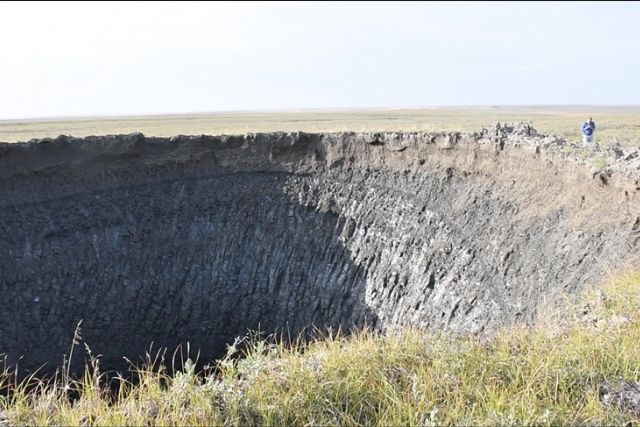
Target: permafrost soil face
{"x": 198, "y": 239}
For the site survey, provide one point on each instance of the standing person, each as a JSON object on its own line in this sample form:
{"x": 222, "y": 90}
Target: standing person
{"x": 588, "y": 128}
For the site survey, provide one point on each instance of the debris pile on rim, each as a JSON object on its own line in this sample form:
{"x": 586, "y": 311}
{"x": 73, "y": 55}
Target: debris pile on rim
{"x": 619, "y": 159}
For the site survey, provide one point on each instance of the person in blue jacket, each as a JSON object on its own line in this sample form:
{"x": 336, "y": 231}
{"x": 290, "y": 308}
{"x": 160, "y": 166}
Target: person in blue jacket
{"x": 588, "y": 128}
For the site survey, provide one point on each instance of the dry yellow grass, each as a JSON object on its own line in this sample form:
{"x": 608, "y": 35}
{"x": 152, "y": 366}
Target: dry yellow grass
{"x": 622, "y": 123}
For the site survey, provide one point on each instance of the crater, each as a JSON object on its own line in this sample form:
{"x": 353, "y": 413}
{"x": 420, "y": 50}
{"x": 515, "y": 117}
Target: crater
{"x": 201, "y": 238}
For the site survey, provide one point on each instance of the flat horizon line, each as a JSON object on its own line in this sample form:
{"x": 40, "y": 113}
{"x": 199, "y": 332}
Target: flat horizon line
{"x": 307, "y": 110}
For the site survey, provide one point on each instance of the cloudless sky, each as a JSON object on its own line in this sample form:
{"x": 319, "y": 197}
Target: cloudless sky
{"x": 84, "y": 59}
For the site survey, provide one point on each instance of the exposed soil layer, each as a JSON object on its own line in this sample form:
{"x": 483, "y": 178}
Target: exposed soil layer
{"x": 199, "y": 239}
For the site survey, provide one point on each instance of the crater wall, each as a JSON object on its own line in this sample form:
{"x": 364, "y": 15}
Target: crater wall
{"x": 200, "y": 238}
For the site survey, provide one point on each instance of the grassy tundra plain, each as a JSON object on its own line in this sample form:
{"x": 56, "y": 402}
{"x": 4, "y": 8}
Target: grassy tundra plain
{"x": 552, "y": 374}
{"x": 621, "y": 123}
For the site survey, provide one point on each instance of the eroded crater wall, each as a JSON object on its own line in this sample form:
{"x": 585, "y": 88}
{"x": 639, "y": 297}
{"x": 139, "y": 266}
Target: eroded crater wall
{"x": 200, "y": 238}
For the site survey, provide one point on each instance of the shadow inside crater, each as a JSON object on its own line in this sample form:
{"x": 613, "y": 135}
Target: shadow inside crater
{"x": 199, "y": 260}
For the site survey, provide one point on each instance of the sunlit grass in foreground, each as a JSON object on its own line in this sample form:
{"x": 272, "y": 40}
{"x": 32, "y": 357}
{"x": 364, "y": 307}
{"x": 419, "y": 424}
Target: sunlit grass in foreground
{"x": 550, "y": 374}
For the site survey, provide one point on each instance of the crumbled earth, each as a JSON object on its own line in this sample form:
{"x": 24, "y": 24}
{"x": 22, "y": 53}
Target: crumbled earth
{"x": 623, "y": 395}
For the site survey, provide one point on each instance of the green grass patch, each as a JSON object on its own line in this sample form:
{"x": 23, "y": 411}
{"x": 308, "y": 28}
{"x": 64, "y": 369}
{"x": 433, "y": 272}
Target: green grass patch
{"x": 535, "y": 376}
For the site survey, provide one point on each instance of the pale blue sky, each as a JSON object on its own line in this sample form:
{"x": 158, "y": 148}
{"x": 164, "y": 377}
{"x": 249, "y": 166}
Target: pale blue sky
{"x": 83, "y": 59}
